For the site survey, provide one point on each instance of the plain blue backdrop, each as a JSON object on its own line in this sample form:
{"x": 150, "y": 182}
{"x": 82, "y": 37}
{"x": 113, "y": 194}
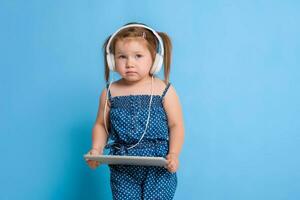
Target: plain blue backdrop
{"x": 235, "y": 67}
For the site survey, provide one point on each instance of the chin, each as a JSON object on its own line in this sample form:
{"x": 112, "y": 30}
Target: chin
{"x": 131, "y": 78}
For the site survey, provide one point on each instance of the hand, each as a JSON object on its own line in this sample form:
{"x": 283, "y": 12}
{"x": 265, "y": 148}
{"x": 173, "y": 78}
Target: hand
{"x": 172, "y": 162}
{"x": 92, "y": 163}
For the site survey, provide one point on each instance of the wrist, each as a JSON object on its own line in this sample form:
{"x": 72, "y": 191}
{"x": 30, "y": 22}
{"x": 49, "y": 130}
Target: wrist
{"x": 97, "y": 149}
{"x": 174, "y": 154}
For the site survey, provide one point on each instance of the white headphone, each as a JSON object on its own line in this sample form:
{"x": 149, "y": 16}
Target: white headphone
{"x": 159, "y": 57}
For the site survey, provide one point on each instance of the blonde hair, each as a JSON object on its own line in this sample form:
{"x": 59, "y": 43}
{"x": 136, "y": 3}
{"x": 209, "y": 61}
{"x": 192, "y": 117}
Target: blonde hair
{"x": 152, "y": 44}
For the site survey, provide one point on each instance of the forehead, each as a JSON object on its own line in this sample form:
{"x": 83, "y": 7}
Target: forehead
{"x": 131, "y": 44}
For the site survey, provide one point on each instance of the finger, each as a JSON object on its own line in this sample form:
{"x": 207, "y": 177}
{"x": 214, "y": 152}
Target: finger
{"x": 171, "y": 170}
{"x": 170, "y": 166}
{"x": 91, "y": 163}
{"x": 166, "y": 165}
{"x": 168, "y": 162}
{"x": 171, "y": 163}
{"x": 96, "y": 163}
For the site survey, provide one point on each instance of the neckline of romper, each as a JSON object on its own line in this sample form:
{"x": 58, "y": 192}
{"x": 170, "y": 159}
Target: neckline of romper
{"x": 125, "y": 100}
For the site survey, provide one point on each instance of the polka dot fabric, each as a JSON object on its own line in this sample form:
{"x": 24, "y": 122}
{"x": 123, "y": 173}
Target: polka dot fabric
{"x": 128, "y": 117}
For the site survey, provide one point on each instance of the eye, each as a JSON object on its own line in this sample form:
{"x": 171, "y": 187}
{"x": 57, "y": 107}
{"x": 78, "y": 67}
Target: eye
{"x": 121, "y": 57}
{"x": 138, "y": 55}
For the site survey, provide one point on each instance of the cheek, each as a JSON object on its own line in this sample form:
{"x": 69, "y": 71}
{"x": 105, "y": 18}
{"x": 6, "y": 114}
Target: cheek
{"x": 119, "y": 66}
{"x": 150, "y": 63}
{"x": 119, "y": 62}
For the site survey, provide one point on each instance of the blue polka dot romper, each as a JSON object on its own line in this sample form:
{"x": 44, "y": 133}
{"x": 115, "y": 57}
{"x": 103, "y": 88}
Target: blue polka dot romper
{"x": 128, "y": 117}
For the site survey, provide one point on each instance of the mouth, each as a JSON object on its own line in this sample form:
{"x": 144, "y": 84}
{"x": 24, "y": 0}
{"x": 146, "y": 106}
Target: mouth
{"x": 130, "y": 73}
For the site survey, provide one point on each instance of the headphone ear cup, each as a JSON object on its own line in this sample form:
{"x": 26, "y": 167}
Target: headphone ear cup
{"x": 157, "y": 64}
{"x": 110, "y": 58}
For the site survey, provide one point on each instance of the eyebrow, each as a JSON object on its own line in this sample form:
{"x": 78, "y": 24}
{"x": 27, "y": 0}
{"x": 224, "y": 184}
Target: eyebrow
{"x": 120, "y": 52}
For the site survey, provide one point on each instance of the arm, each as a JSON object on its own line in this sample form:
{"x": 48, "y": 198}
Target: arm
{"x": 176, "y": 128}
{"x": 99, "y": 135}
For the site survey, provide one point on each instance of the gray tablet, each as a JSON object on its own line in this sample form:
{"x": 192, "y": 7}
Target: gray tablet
{"x": 128, "y": 160}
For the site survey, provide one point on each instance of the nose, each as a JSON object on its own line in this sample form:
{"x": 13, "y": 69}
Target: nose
{"x": 129, "y": 62}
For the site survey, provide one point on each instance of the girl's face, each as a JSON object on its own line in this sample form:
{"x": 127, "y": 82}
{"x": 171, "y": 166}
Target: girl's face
{"x": 133, "y": 59}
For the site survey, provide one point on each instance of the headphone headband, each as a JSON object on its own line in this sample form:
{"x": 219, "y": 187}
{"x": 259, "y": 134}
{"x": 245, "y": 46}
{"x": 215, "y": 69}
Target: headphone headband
{"x": 161, "y": 44}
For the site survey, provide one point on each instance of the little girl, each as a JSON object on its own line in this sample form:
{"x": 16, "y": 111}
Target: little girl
{"x": 140, "y": 113}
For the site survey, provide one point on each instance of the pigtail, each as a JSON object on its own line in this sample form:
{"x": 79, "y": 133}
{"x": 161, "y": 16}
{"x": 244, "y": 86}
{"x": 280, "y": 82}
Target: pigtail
{"x": 106, "y": 69}
{"x": 167, "y": 56}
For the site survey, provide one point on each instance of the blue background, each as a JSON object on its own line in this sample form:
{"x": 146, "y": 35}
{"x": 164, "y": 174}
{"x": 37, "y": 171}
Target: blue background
{"x": 235, "y": 68}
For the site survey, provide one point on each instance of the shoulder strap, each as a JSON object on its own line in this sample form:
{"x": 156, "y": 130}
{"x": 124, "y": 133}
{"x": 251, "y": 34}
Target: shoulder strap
{"x": 166, "y": 90}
